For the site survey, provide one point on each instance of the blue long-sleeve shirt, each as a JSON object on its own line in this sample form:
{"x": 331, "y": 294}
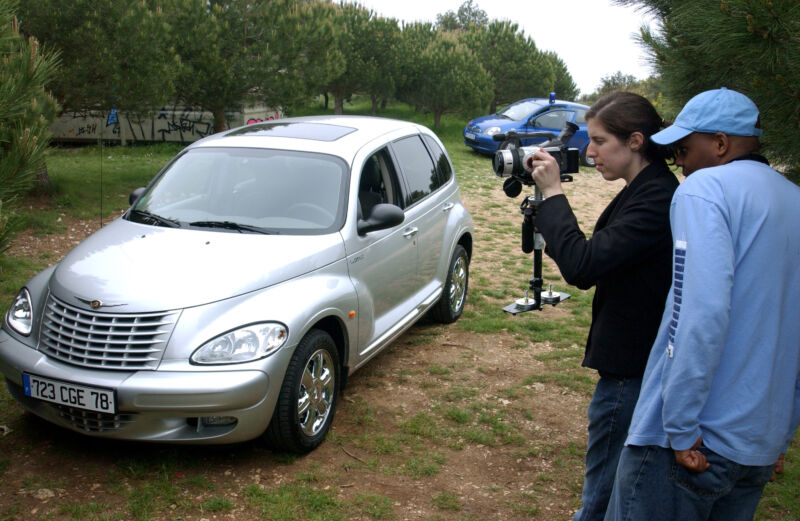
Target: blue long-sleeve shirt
{"x": 726, "y": 361}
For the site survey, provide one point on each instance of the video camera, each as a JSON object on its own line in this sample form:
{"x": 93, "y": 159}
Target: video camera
{"x": 515, "y": 162}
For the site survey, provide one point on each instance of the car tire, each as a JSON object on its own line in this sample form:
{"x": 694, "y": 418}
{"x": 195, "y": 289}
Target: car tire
{"x": 454, "y": 295}
{"x": 586, "y": 161}
{"x": 308, "y": 396}
{"x": 512, "y": 142}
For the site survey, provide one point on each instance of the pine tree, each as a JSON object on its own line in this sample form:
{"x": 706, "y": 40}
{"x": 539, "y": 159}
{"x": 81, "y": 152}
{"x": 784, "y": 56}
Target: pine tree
{"x": 747, "y": 45}
{"x": 26, "y": 111}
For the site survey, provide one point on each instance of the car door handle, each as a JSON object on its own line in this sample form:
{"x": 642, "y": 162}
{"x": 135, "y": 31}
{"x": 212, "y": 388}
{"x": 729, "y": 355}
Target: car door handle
{"x": 410, "y": 233}
{"x": 448, "y": 206}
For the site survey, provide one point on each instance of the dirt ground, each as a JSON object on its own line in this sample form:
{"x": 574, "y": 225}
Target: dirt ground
{"x": 379, "y": 439}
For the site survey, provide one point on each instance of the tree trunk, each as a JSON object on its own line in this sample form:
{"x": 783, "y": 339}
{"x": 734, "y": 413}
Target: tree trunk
{"x": 220, "y": 123}
{"x": 43, "y": 180}
{"x": 326, "y": 100}
{"x": 338, "y": 104}
{"x": 374, "y": 105}
{"x": 493, "y": 107}
{"x": 437, "y": 117}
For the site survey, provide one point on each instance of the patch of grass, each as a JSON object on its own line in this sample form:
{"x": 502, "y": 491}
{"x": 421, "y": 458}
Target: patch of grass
{"x": 374, "y": 506}
{"x": 424, "y": 466}
{"x": 781, "y": 499}
{"x": 82, "y": 511}
{"x": 216, "y": 504}
{"x": 447, "y": 501}
{"x": 579, "y": 383}
{"x": 293, "y": 501}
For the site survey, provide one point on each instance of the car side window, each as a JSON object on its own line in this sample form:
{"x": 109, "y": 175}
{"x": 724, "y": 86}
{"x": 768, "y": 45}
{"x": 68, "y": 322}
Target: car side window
{"x": 552, "y": 119}
{"x": 580, "y": 116}
{"x": 378, "y": 183}
{"x": 418, "y": 168}
{"x": 445, "y": 171}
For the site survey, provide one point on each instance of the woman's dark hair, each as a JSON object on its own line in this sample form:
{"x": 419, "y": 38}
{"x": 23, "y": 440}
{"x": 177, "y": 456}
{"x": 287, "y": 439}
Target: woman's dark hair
{"x": 623, "y": 113}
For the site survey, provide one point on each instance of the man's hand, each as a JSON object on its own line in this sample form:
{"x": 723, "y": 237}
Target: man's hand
{"x": 693, "y": 459}
{"x": 778, "y": 468}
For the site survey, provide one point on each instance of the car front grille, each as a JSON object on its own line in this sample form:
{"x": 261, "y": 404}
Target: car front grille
{"x": 90, "y": 421}
{"x": 114, "y": 341}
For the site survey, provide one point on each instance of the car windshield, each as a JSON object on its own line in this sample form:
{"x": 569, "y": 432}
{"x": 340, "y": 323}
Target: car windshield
{"x": 247, "y": 190}
{"x": 520, "y": 110}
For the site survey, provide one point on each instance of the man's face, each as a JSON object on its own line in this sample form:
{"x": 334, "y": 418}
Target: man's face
{"x": 696, "y": 151}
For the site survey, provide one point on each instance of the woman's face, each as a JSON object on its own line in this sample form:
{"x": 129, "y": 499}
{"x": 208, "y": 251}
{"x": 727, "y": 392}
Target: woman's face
{"x": 614, "y": 158}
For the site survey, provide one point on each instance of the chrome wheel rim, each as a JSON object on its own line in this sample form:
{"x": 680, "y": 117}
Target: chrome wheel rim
{"x": 315, "y": 399}
{"x": 458, "y": 284}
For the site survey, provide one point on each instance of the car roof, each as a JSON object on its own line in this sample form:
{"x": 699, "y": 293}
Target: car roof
{"x": 546, "y": 101}
{"x": 342, "y": 136}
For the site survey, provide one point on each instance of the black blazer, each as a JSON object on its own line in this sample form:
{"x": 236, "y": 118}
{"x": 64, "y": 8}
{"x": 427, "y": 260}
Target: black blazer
{"x": 628, "y": 259}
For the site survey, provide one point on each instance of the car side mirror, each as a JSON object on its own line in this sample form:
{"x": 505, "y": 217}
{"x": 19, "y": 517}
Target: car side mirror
{"x": 135, "y": 195}
{"x": 383, "y": 216}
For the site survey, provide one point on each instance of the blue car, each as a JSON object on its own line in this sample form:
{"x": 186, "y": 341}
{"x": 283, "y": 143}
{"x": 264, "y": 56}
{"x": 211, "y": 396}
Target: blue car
{"x": 529, "y": 115}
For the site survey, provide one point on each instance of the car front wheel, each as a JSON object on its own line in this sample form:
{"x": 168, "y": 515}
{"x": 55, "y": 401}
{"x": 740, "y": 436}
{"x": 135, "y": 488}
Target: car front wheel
{"x": 308, "y": 396}
{"x": 454, "y": 295}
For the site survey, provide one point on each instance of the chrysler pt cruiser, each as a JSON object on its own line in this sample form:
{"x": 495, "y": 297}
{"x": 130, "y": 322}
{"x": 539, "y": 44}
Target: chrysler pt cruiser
{"x": 257, "y": 270}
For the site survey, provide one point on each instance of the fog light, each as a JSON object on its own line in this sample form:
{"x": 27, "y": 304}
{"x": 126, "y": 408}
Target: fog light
{"x": 216, "y": 421}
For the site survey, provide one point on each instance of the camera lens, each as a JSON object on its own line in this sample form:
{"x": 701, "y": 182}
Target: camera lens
{"x": 503, "y": 163}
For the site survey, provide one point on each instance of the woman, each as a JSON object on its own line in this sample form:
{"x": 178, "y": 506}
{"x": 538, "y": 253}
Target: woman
{"x": 628, "y": 260}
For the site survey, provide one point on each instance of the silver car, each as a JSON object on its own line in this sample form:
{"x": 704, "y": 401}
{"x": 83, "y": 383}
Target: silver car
{"x": 256, "y": 271}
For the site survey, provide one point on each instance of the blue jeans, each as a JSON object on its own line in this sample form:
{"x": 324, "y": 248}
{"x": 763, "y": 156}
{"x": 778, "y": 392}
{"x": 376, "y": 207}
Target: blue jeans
{"x": 651, "y": 485}
{"x": 609, "y": 418}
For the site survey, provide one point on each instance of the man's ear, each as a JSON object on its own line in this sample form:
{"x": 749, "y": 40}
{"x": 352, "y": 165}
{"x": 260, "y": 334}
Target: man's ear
{"x": 721, "y": 144}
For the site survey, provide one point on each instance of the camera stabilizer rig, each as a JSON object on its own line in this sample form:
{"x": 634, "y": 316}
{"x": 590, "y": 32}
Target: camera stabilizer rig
{"x": 515, "y": 163}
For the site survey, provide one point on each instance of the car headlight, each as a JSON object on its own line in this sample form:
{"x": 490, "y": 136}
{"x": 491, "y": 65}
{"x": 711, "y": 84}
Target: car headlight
{"x": 242, "y": 345}
{"x": 491, "y": 131}
{"x": 20, "y": 315}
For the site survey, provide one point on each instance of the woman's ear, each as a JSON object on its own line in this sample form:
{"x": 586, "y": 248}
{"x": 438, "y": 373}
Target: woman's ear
{"x": 636, "y": 141}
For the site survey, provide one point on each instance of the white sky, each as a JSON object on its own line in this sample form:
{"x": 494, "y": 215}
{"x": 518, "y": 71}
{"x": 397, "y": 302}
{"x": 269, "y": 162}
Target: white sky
{"x": 593, "y": 37}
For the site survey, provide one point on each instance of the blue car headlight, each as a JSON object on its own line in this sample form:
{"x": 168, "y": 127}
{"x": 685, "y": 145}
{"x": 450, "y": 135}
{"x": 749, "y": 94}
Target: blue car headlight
{"x": 245, "y": 344}
{"x": 20, "y": 315}
{"x": 491, "y": 131}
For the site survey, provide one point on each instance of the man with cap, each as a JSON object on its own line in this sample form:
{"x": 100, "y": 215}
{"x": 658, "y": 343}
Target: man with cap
{"x": 720, "y": 399}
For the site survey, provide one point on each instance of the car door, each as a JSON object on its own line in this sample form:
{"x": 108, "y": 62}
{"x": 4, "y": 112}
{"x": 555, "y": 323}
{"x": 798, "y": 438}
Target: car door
{"x": 551, "y": 121}
{"x": 382, "y": 264}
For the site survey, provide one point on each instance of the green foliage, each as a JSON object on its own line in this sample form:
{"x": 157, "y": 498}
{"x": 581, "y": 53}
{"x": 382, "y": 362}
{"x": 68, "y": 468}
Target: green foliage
{"x": 501, "y": 43}
{"x": 115, "y": 54}
{"x": 244, "y": 52}
{"x": 746, "y": 45}
{"x": 451, "y": 78}
{"x": 26, "y": 110}
{"x": 366, "y": 43}
{"x": 468, "y": 17}
{"x": 564, "y": 86}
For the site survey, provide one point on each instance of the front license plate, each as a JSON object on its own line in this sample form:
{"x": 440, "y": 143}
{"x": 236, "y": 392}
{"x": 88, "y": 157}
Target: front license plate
{"x": 469, "y": 135}
{"x": 69, "y": 394}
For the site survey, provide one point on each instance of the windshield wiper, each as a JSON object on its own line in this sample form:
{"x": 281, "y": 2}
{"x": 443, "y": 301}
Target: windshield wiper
{"x": 230, "y": 225}
{"x": 151, "y": 218}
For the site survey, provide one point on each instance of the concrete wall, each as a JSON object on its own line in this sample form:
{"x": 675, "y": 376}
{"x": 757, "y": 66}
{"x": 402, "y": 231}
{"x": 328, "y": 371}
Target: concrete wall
{"x": 168, "y": 124}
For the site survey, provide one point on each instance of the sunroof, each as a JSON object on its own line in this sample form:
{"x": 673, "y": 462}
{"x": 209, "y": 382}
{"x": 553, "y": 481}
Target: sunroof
{"x": 315, "y": 131}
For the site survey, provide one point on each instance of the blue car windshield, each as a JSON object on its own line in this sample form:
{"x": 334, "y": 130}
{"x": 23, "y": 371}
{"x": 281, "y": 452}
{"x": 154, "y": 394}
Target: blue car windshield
{"x": 241, "y": 190}
{"x": 520, "y": 110}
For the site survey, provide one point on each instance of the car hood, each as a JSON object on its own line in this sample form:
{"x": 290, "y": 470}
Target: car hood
{"x": 493, "y": 120}
{"x": 131, "y": 267}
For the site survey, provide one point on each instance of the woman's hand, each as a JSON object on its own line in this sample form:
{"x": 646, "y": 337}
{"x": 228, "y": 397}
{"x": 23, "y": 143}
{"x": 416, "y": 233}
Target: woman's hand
{"x": 546, "y": 173}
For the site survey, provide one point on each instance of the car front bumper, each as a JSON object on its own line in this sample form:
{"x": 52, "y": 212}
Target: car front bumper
{"x": 480, "y": 142}
{"x": 209, "y": 405}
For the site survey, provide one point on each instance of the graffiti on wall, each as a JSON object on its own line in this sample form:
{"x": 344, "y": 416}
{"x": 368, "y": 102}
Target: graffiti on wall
{"x": 174, "y": 124}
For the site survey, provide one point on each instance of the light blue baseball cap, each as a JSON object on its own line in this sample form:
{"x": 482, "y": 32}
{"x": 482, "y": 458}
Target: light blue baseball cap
{"x": 720, "y": 110}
